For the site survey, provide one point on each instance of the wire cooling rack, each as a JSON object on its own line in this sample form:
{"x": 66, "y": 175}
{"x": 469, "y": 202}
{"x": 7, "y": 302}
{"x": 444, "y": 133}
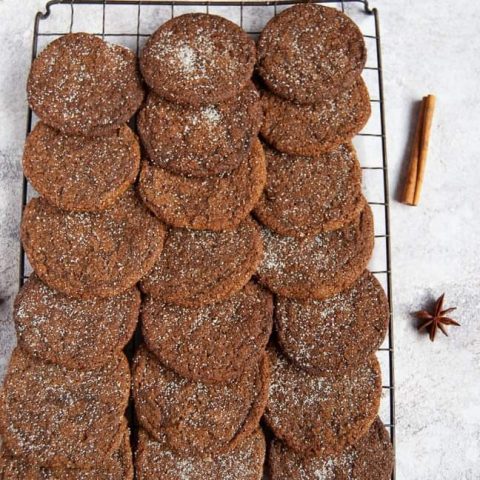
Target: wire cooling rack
{"x": 130, "y": 22}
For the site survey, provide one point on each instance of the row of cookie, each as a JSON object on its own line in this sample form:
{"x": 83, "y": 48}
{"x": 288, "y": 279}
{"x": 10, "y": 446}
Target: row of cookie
{"x": 68, "y": 384}
{"x": 201, "y": 388}
{"x": 82, "y": 174}
{"x": 203, "y": 111}
{"x": 310, "y": 59}
{"x": 326, "y": 382}
{"x": 330, "y": 317}
{"x": 205, "y": 168}
{"x": 82, "y": 156}
{"x": 59, "y": 423}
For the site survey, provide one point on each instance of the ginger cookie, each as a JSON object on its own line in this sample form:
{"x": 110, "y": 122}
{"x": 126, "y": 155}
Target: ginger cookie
{"x": 58, "y": 417}
{"x": 197, "y": 59}
{"x": 310, "y": 52}
{"x": 244, "y": 462}
{"x": 213, "y": 343}
{"x": 330, "y": 337}
{"x": 200, "y": 141}
{"x": 118, "y": 467}
{"x": 81, "y": 174}
{"x": 92, "y": 254}
{"x": 195, "y": 418}
{"x": 81, "y": 85}
{"x": 200, "y": 267}
{"x": 317, "y": 415}
{"x": 216, "y": 203}
{"x": 75, "y": 333}
{"x": 317, "y": 267}
{"x": 314, "y": 129}
{"x": 371, "y": 458}
{"x": 305, "y": 196}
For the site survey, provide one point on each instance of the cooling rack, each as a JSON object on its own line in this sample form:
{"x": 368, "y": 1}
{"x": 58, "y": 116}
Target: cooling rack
{"x": 130, "y": 22}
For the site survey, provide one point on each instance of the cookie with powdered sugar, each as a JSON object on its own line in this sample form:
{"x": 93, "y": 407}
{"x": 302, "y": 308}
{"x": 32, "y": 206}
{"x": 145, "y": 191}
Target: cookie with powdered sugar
{"x": 305, "y": 196}
{"x": 213, "y": 343}
{"x": 198, "y": 59}
{"x": 330, "y": 337}
{"x": 312, "y": 414}
{"x": 310, "y": 52}
{"x": 371, "y": 458}
{"x": 315, "y": 128}
{"x": 81, "y": 174}
{"x": 117, "y": 467}
{"x": 215, "y": 203}
{"x": 81, "y": 85}
{"x": 72, "y": 332}
{"x": 320, "y": 266}
{"x": 200, "y": 141}
{"x": 195, "y": 418}
{"x": 92, "y": 254}
{"x": 58, "y": 417}
{"x": 244, "y": 462}
{"x": 199, "y": 267}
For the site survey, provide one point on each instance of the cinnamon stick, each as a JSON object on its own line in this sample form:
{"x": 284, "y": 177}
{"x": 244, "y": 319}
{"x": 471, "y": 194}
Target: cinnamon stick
{"x": 419, "y": 151}
{"x": 411, "y": 180}
{"x": 430, "y": 101}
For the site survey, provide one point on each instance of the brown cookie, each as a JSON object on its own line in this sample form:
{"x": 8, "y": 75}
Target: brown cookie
{"x": 78, "y": 173}
{"x": 317, "y": 267}
{"x": 310, "y": 52}
{"x": 305, "y": 196}
{"x": 118, "y": 467}
{"x": 214, "y": 343}
{"x": 197, "y": 59}
{"x": 244, "y": 462}
{"x": 317, "y": 415}
{"x": 330, "y": 337}
{"x": 216, "y": 203}
{"x": 57, "y": 417}
{"x": 95, "y": 254}
{"x": 200, "y": 141}
{"x": 198, "y": 267}
{"x": 316, "y": 128}
{"x": 75, "y": 333}
{"x": 195, "y": 418}
{"x": 371, "y": 458}
{"x": 82, "y": 85}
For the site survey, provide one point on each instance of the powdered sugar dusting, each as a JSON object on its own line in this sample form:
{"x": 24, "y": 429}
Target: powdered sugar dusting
{"x": 187, "y": 58}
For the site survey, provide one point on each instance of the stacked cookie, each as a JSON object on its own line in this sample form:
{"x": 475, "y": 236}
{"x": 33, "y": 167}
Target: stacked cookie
{"x": 331, "y": 313}
{"x": 89, "y": 239}
{"x": 200, "y": 381}
{"x": 205, "y": 167}
{"x": 184, "y": 235}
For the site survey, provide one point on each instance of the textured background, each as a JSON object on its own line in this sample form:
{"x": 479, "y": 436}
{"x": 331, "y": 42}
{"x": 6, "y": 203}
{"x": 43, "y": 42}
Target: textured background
{"x": 429, "y": 46}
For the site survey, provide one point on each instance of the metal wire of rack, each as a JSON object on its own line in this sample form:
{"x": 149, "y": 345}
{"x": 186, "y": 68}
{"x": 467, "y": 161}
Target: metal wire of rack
{"x": 250, "y": 15}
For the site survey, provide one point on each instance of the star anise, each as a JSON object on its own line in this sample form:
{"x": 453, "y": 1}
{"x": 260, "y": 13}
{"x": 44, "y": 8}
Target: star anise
{"x": 436, "y": 319}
